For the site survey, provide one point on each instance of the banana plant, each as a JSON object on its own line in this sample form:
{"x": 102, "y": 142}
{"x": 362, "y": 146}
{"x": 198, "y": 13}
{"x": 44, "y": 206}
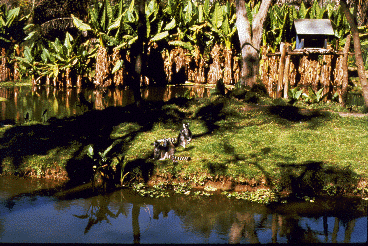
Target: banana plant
{"x": 30, "y": 64}
{"x": 101, "y": 18}
{"x": 59, "y": 56}
{"x": 314, "y": 97}
{"x": 103, "y": 163}
{"x": 222, "y": 22}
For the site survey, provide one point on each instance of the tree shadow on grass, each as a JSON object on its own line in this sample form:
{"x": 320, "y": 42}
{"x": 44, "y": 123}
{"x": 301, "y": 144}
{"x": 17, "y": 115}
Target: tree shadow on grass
{"x": 20, "y": 143}
{"x": 295, "y": 114}
{"x": 298, "y": 180}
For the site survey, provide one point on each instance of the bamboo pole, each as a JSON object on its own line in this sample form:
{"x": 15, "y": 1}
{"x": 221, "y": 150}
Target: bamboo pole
{"x": 281, "y": 70}
{"x": 286, "y": 73}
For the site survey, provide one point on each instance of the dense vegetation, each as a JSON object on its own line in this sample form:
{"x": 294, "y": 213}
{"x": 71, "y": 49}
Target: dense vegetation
{"x": 200, "y": 38}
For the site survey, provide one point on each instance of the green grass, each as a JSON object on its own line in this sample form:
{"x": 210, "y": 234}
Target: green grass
{"x": 248, "y": 144}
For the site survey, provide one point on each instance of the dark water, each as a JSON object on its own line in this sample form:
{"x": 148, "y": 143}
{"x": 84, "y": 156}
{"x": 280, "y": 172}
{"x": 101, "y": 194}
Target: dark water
{"x": 42, "y": 103}
{"x": 125, "y": 217}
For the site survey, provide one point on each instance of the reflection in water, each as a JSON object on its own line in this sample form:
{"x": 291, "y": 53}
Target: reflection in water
{"x": 42, "y": 103}
{"x": 124, "y": 217}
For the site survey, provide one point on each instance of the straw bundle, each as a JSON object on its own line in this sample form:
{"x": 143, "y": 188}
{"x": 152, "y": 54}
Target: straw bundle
{"x": 273, "y": 75}
{"x": 236, "y": 69}
{"x": 292, "y": 72}
{"x": 338, "y": 73}
{"x": 228, "y": 78}
{"x": 68, "y": 79}
{"x": 309, "y": 70}
{"x": 326, "y": 73}
{"x": 168, "y": 61}
{"x": 119, "y": 75}
{"x": 201, "y": 64}
{"x": 215, "y": 72}
{"x": 176, "y": 65}
{"x": 179, "y": 58}
{"x": 102, "y": 67}
{"x": 47, "y": 82}
{"x": 3, "y": 70}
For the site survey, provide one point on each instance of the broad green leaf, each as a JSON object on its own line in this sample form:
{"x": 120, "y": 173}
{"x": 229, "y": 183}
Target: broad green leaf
{"x": 185, "y": 45}
{"x": 200, "y": 14}
{"x": 249, "y": 13}
{"x": 90, "y": 151}
{"x": 302, "y": 11}
{"x": 118, "y": 66}
{"x": 12, "y": 14}
{"x": 170, "y": 25}
{"x": 116, "y": 24}
{"x": 217, "y": 16}
{"x": 55, "y": 70}
{"x": 159, "y": 36}
{"x": 225, "y": 26}
{"x": 80, "y": 25}
{"x": 206, "y": 9}
{"x": 68, "y": 40}
{"x": 45, "y": 56}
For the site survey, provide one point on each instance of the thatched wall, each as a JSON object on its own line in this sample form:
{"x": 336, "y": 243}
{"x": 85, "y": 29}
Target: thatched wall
{"x": 315, "y": 70}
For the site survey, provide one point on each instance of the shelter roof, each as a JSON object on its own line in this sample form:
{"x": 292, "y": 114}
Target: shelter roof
{"x": 313, "y": 27}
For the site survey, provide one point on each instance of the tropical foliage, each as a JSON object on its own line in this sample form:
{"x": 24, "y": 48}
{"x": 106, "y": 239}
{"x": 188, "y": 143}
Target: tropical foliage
{"x": 197, "y": 31}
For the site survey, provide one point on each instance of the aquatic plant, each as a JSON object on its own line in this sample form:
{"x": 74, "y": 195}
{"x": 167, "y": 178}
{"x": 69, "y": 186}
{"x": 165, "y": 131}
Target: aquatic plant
{"x": 264, "y": 196}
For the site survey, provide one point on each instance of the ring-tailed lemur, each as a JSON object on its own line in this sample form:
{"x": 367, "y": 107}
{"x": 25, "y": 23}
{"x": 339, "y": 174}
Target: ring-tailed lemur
{"x": 166, "y": 150}
{"x": 183, "y": 139}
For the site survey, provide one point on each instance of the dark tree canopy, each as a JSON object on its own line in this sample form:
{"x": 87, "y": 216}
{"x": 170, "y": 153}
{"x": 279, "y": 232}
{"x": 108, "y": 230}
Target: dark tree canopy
{"x": 54, "y": 16}
{"x": 46, "y": 10}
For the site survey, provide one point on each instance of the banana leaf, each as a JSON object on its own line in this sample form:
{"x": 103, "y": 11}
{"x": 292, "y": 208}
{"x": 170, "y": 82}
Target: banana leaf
{"x": 185, "y": 45}
{"x": 80, "y": 24}
{"x": 159, "y": 36}
{"x": 118, "y": 65}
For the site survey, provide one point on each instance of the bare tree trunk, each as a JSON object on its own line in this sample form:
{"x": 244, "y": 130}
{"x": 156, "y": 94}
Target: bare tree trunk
{"x": 250, "y": 38}
{"x": 357, "y": 49}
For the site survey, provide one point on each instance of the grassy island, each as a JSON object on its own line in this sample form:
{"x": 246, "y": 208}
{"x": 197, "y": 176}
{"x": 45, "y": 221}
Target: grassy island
{"x": 237, "y": 146}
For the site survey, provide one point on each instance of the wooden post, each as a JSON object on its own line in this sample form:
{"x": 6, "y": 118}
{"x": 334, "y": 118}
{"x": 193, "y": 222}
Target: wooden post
{"x": 286, "y": 73}
{"x": 281, "y": 70}
{"x": 345, "y": 80}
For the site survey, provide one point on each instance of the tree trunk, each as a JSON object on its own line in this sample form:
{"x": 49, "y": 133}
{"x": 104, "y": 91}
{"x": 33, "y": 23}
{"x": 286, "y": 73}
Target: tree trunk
{"x": 140, "y": 53}
{"x": 250, "y": 37}
{"x": 357, "y": 49}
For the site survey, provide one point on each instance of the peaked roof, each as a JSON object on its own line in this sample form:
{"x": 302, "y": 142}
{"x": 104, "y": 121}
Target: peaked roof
{"x": 314, "y": 26}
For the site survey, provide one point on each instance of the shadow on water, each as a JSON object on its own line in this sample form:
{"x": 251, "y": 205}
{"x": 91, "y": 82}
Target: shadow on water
{"x": 127, "y": 217}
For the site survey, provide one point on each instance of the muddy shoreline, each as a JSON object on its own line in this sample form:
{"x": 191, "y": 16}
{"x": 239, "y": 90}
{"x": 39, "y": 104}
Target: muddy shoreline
{"x": 224, "y": 184}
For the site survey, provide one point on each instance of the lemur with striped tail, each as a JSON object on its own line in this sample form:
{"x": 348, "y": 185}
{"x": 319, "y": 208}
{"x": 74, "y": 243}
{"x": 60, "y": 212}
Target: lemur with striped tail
{"x": 183, "y": 139}
{"x": 166, "y": 150}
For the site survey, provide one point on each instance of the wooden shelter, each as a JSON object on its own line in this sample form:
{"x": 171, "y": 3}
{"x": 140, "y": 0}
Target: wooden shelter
{"x": 313, "y": 64}
{"x": 313, "y": 33}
